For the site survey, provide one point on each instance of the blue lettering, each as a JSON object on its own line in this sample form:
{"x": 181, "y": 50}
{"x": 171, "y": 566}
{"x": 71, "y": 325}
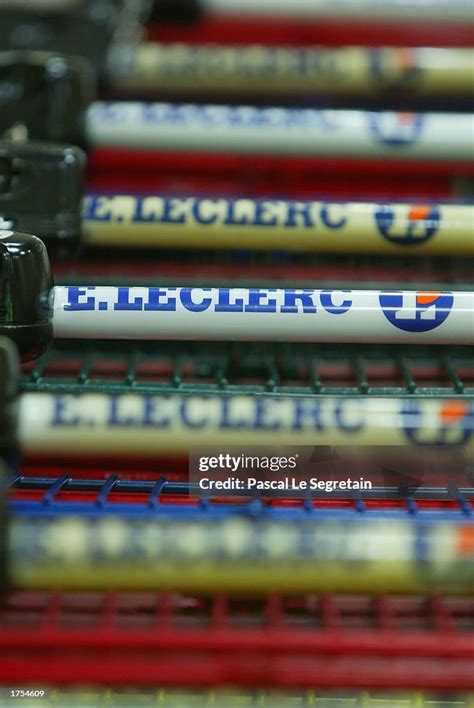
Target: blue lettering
{"x": 198, "y": 215}
{"x": 305, "y": 297}
{"x": 260, "y": 214}
{"x": 114, "y": 419}
{"x": 256, "y": 295}
{"x": 305, "y": 408}
{"x": 226, "y": 421}
{"x": 111, "y": 112}
{"x": 326, "y": 220}
{"x": 231, "y": 219}
{"x": 148, "y": 113}
{"x": 328, "y": 304}
{"x": 339, "y": 413}
{"x": 154, "y": 300}
{"x": 262, "y": 407}
{"x": 174, "y": 113}
{"x": 60, "y": 412}
{"x": 138, "y": 213}
{"x": 123, "y": 300}
{"x": 93, "y": 205}
{"x": 167, "y": 217}
{"x": 298, "y": 118}
{"x": 298, "y": 211}
{"x": 151, "y": 404}
{"x": 187, "y": 302}
{"x": 185, "y": 414}
{"x": 205, "y": 114}
{"x": 244, "y": 116}
{"x": 302, "y": 60}
{"x": 224, "y": 305}
{"x": 73, "y": 294}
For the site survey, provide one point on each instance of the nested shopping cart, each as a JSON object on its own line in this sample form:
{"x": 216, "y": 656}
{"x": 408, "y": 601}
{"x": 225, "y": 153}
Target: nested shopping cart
{"x": 280, "y": 641}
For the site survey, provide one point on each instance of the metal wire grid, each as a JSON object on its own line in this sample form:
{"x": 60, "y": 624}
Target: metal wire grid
{"x": 96, "y": 497}
{"x": 303, "y": 642}
{"x": 229, "y": 367}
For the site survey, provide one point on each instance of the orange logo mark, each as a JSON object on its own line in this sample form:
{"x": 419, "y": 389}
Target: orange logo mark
{"x": 452, "y": 411}
{"x": 466, "y": 541}
{"x": 406, "y": 117}
{"x": 427, "y": 297}
{"x": 419, "y": 211}
{"x": 405, "y": 59}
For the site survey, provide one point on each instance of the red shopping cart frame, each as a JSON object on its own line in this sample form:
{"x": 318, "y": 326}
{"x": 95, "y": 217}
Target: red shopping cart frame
{"x": 302, "y": 641}
{"x": 239, "y": 29}
{"x": 265, "y": 175}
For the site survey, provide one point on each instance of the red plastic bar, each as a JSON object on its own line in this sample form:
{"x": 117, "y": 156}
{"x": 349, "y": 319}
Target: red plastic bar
{"x": 263, "y": 175}
{"x": 281, "y": 31}
{"x": 305, "y": 642}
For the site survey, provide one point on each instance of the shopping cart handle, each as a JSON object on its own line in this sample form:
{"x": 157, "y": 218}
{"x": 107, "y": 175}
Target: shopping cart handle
{"x": 41, "y": 186}
{"x": 46, "y": 97}
{"x": 84, "y": 28}
{"x": 25, "y": 279}
{"x": 34, "y": 311}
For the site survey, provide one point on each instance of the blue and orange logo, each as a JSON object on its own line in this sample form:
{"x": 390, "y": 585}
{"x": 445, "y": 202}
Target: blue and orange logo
{"x": 418, "y": 311}
{"x": 395, "y": 129}
{"x": 451, "y": 424}
{"x": 395, "y": 67}
{"x": 407, "y": 225}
